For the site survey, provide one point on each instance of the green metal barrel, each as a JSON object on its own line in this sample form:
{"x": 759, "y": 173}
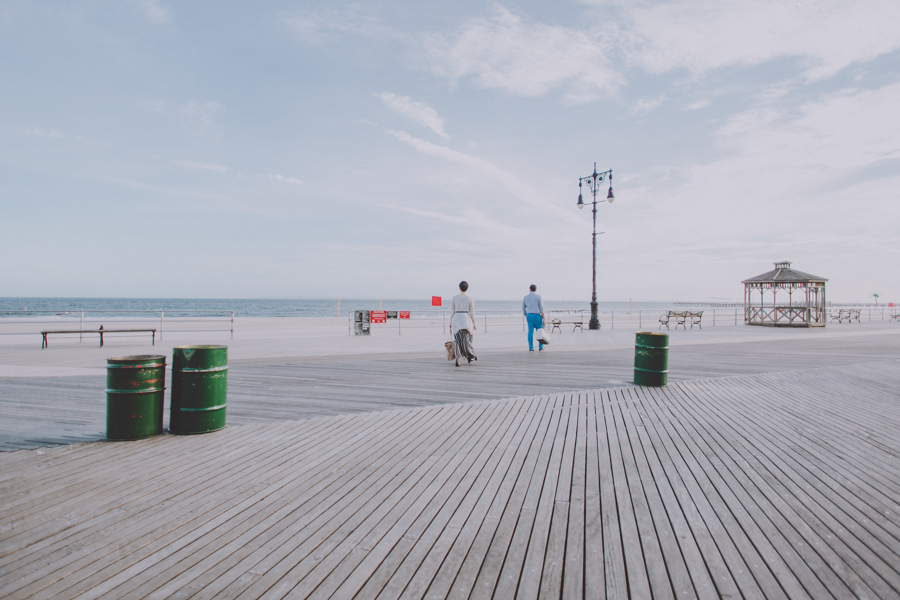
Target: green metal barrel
{"x": 135, "y": 386}
{"x": 651, "y": 359}
{"x": 199, "y": 386}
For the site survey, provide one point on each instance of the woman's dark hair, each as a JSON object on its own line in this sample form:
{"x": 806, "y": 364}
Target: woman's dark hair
{"x": 533, "y": 288}
{"x": 463, "y": 286}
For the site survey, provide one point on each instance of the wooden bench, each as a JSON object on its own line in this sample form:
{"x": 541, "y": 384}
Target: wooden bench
{"x": 681, "y": 319}
{"x": 101, "y": 331}
{"x": 895, "y": 317}
{"x": 695, "y": 319}
{"x": 846, "y": 313}
{"x": 556, "y": 323}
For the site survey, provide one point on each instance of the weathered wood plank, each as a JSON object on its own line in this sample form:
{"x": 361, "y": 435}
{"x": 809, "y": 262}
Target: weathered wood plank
{"x": 777, "y": 485}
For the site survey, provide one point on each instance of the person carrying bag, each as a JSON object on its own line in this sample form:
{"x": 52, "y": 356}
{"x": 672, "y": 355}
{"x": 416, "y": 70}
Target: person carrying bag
{"x": 533, "y": 309}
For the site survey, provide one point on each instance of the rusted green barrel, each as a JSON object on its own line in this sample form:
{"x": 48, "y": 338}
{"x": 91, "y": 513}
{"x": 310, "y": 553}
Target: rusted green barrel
{"x": 199, "y": 386}
{"x": 135, "y": 386}
{"x": 651, "y": 359}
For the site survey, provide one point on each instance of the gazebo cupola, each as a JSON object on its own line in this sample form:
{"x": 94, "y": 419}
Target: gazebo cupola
{"x": 785, "y": 297}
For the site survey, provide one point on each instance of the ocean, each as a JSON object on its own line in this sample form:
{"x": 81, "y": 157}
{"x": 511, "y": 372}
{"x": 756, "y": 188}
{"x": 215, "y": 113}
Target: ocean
{"x": 174, "y": 307}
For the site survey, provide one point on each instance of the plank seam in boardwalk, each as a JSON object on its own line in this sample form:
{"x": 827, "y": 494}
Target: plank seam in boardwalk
{"x": 773, "y": 485}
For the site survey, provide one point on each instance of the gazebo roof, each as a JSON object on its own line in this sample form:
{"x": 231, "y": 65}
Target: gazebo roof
{"x": 783, "y": 273}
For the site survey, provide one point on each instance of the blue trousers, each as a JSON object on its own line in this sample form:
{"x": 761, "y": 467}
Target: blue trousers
{"x": 534, "y": 322}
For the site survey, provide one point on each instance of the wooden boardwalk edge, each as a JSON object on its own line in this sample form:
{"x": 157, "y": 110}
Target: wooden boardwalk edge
{"x": 775, "y": 485}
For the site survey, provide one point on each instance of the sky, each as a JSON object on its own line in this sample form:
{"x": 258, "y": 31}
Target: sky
{"x": 151, "y": 148}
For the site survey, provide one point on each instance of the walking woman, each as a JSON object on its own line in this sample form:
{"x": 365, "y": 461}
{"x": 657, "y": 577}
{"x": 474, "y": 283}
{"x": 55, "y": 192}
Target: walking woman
{"x": 462, "y": 324}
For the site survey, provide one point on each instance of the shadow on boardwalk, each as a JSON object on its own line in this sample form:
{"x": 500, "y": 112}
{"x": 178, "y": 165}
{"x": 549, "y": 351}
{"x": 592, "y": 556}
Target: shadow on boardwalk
{"x": 46, "y": 411}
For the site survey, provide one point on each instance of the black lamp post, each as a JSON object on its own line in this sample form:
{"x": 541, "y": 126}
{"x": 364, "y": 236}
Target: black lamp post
{"x": 593, "y": 182}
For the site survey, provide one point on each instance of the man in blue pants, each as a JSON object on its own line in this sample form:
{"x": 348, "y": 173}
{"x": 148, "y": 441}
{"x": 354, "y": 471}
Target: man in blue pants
{"x": 533, "y": 309}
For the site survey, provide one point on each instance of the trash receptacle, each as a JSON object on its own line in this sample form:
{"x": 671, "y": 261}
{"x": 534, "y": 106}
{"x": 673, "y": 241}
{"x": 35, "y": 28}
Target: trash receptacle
{"x": 135, "y": 389}
{"x": 651, "y": 359}
{"x": 199, "y": 389}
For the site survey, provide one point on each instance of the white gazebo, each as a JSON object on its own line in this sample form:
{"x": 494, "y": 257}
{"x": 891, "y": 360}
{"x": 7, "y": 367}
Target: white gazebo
{"x": 801, "y": 304}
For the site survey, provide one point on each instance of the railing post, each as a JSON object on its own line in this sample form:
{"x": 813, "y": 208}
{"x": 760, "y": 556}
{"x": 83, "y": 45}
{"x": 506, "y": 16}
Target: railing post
{"x": 640, "y": 318}
{"x": 232, "y": 324}
{"x": 162, "y": 317}
{"x": 714, "y": 317}
{"x": 82, "y": 326}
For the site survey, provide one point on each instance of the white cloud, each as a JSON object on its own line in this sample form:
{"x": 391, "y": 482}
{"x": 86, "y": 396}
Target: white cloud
{"x": 823, "y": 176}
{"x": 496, "y": 175}
{"x": 529, "y": 58}
{"x": 199, "y": 116}
{"x": 702, "y": 35}
{"x": 47, "y": 133}
{"x": 526, "y": 58}
{"x": 646, "y": 105}
{"x": 203, "y": 166}
{"x": 698, "y": 104}
{"x": 843, "y": 131}
{"x": 200, "y": 113}
{"x": 469, "y": 217}
{"x": 417, "y": 111}
{"x": 153, "y": 11}
{"x": 320, "y": 26}
{"x": 157, "y": 106}
{"x": 278, "y": 177}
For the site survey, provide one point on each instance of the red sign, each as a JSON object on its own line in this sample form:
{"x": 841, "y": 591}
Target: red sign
{"x": 435, "y": 300}
{"x": 891, "y": 304}
{"x": 404, "y": 314}
{"x": 379, "y": 316}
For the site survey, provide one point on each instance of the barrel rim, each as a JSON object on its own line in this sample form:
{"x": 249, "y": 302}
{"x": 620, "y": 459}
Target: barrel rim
{"x": 651, "y": 333}
{"x": 138, "y": 357}
{"x": 200, "y": 347}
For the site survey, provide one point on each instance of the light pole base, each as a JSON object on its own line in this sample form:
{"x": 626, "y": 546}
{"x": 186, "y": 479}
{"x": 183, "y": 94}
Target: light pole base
{"x": 594, "y": 323}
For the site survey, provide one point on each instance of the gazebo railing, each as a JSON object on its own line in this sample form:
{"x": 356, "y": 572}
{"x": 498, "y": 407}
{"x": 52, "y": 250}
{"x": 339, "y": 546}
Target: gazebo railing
{"x": 784, "y": 315}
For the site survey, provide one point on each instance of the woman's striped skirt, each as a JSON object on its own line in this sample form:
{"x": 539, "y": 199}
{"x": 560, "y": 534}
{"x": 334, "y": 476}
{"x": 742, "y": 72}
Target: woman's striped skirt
{"x": 462, "y": 345}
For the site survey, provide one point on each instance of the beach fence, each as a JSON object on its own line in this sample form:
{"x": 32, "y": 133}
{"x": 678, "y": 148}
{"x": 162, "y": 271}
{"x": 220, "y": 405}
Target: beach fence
{"x": 575, "y": 321}
{"x": 569, "y": 321}
{"x": 32, "y": 322}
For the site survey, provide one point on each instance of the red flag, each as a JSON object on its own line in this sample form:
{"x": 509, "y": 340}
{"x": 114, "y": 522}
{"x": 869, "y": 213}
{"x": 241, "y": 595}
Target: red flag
{"x": 435, "y": 300}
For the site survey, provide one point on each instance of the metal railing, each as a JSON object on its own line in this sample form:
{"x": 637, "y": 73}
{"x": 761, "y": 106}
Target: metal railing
{"x": 85, "y": 319}
{"x": 491, "y": 320}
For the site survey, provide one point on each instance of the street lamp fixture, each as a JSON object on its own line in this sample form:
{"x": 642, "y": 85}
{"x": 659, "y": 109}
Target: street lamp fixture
{"x": 593, "y": 182}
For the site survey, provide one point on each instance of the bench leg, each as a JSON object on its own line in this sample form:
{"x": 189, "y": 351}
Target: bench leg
{"x": 44, "y": 343}
{"x": 154, "y": 338}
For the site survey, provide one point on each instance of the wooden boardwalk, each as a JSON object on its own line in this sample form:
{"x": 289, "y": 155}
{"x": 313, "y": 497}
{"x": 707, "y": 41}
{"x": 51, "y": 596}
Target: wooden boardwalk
{"x": 37, "y": 412}
{"x": 776, "y": 485}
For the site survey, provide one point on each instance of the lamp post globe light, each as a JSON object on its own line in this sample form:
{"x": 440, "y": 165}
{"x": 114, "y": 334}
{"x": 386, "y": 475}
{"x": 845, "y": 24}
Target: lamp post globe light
{"x": 593, "y": 182}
